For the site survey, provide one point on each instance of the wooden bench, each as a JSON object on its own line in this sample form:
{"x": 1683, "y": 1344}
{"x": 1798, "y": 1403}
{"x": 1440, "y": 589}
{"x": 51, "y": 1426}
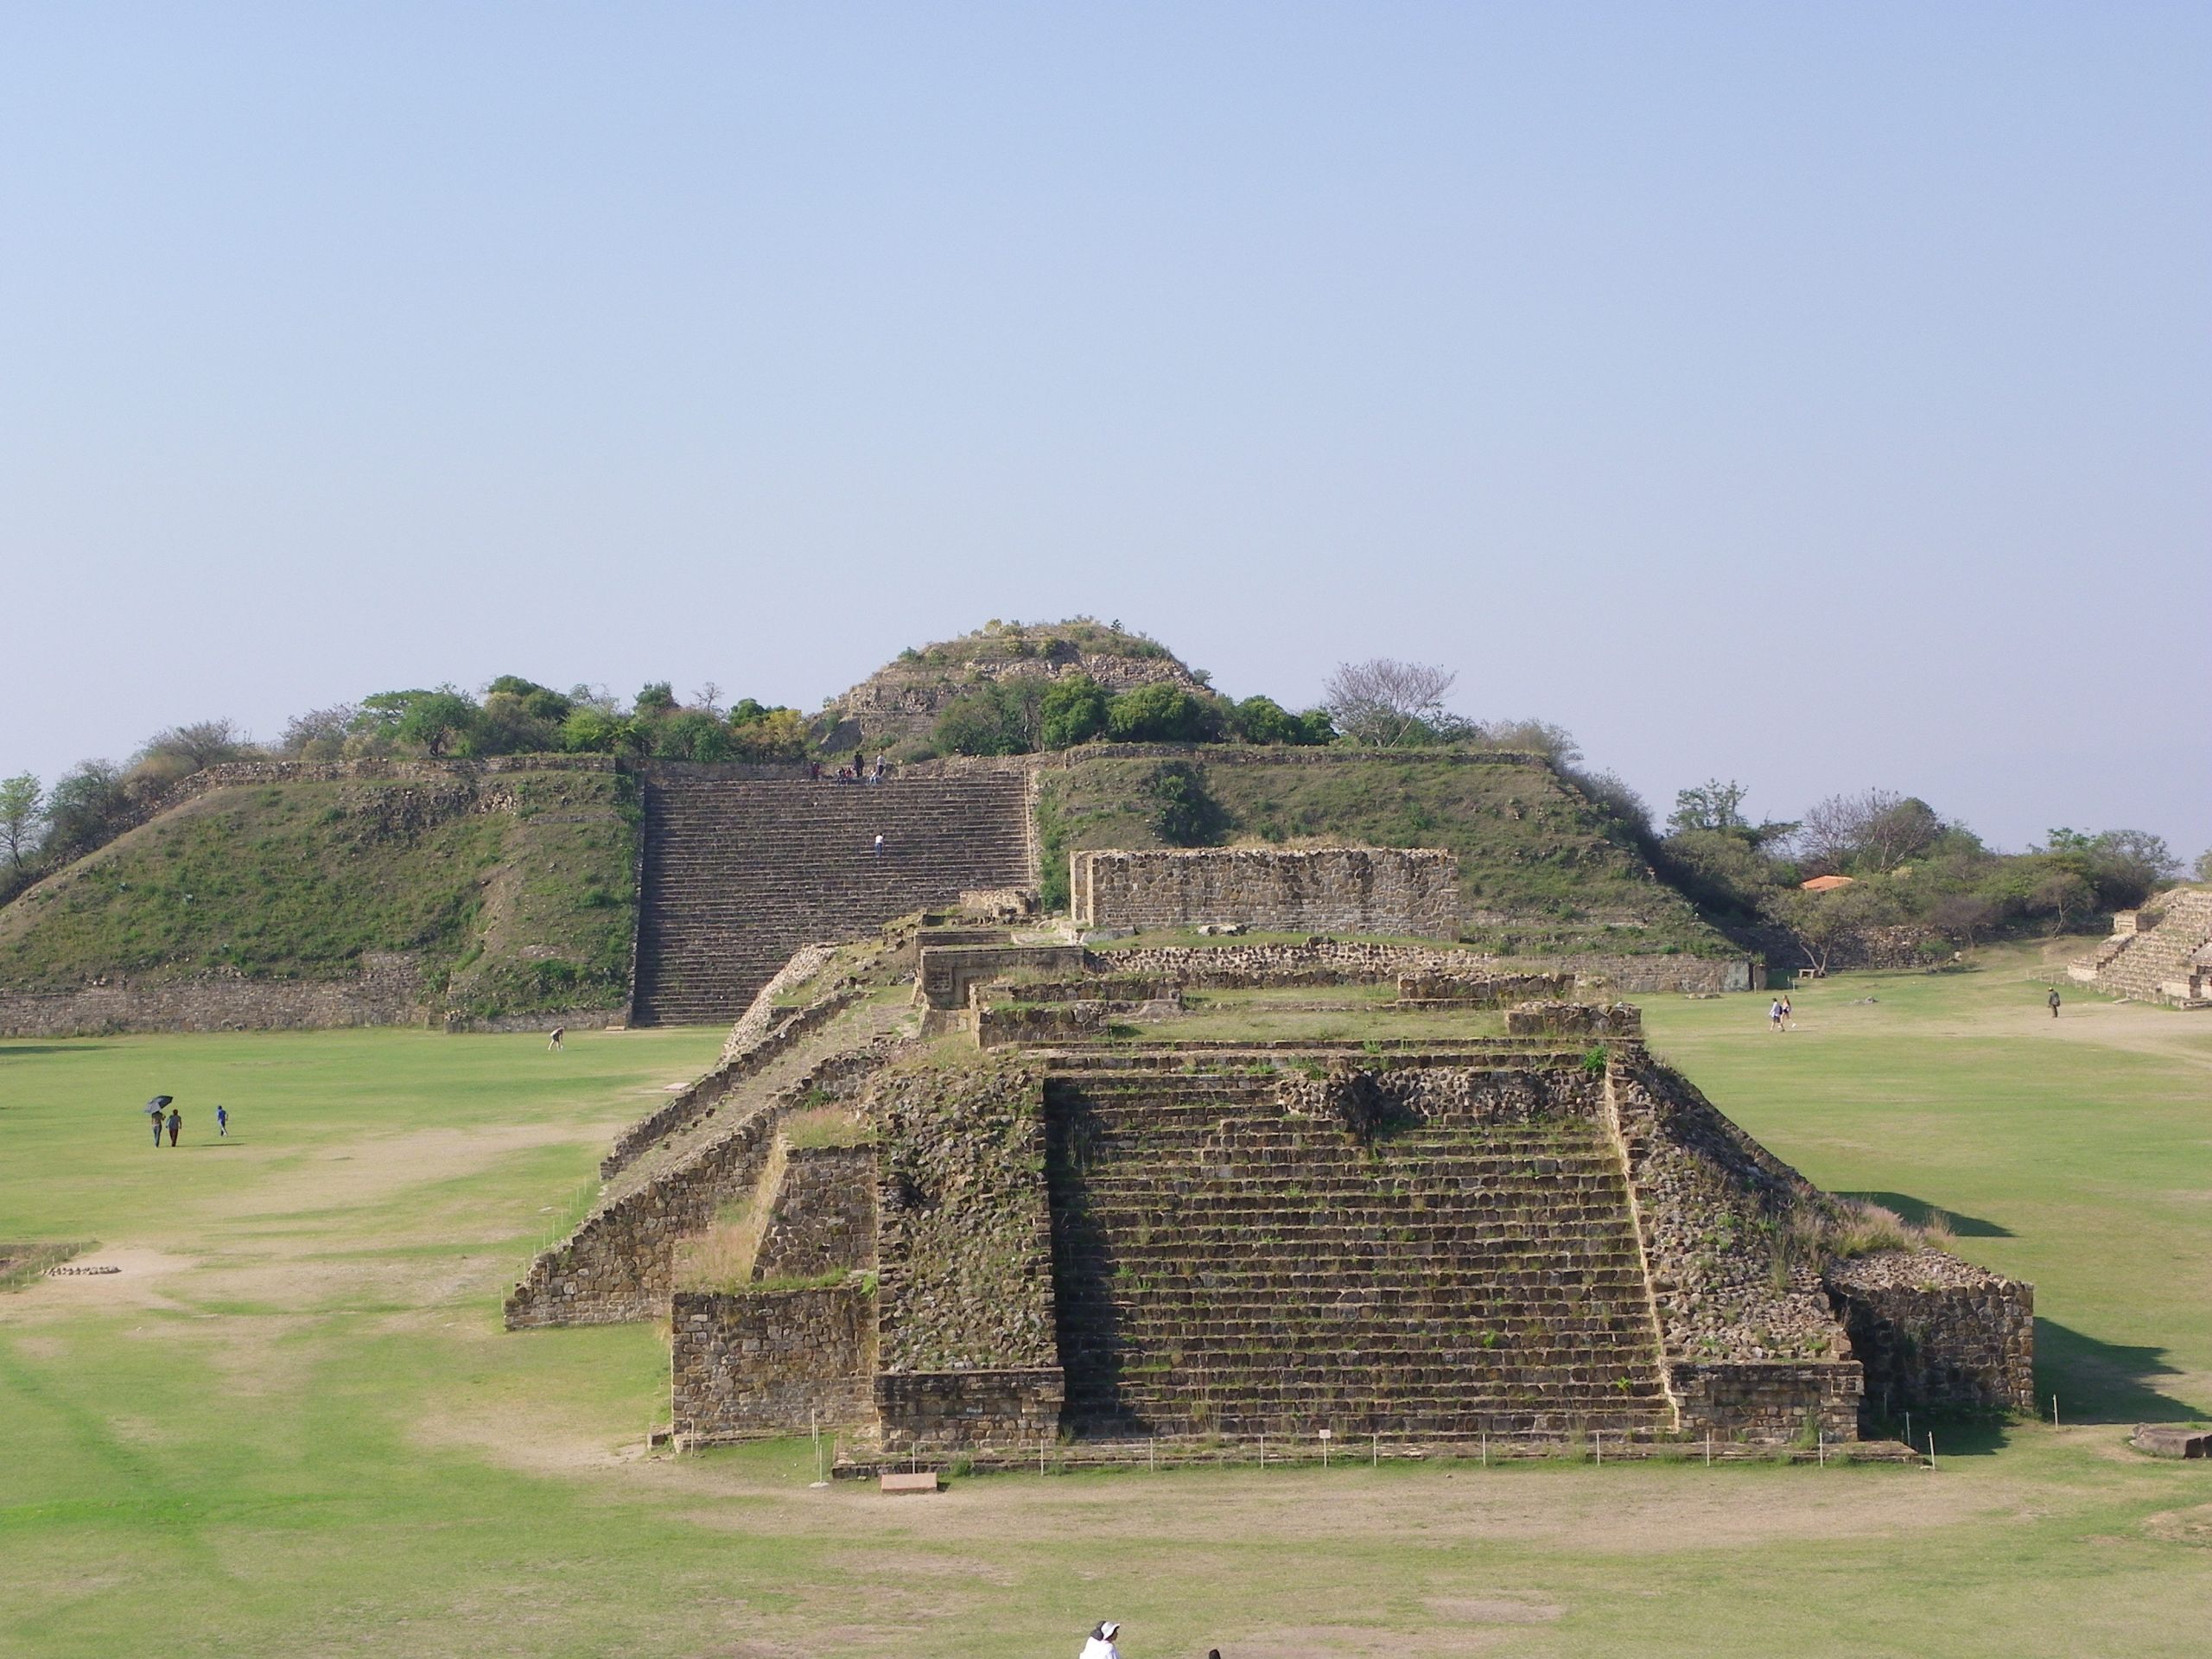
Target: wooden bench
{"x": 925, "y": 1482}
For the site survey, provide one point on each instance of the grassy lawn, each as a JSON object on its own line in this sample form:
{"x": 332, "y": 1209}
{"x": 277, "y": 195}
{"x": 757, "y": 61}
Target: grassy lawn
{"x": 292, "y": 1425}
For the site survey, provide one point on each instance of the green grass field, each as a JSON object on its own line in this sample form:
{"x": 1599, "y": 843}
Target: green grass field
{"x": 292, "y": 1425}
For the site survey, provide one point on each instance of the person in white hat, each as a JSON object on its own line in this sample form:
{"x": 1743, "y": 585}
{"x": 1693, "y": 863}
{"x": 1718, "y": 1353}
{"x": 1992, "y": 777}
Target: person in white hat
{"x": 1100, "y": 1644}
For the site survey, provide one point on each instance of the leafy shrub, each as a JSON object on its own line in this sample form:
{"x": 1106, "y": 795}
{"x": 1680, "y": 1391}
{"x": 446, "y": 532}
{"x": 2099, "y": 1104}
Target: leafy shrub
{"x": 1072, "y": 711}
{"x": 992, "y": 719}
{"x": 1158, "y": 713}
{"x": 1183, "y": 813}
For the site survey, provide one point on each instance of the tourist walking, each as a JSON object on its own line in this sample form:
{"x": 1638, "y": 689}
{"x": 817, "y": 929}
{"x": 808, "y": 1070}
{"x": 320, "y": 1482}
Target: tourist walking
{"x": 1789, "y": 1019}
{"x": 177, "y": 1123}
{"x": 1774, "y": 1014}
{"x": 1100, "y": 1644}
{"x": 2054, "y": 1002}
{"x": 222, "y": 1123}
{"x": 157, "y": 1108}
{"x": 879, "y": 843}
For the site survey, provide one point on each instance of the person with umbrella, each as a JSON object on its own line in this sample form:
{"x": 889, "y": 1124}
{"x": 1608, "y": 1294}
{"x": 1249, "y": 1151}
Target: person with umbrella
{"x": 157, "y": 1108}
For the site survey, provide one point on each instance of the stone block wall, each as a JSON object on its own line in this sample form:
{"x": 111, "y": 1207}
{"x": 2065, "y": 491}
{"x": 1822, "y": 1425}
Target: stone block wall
{"x": 1429, "y": 989}
{"x": 1249, "y": 967}
{"x": 387, "y": 991}
{"x": 1004, "y": 1410}
{"x": 1766, "y": 1401}
{"x": 1330, "y": 889}
{"x": 1934, "y": 1331}
{"x": 1575, "y": 1019}
{"x": 751, "y": 1365}
{"x": 964, "y": 1231}
{"x": 1000, "y": 1023}
{"x": 822, "y": 1217}
{"x": 1693, "y": 975}
{"x": 944, "y": 973}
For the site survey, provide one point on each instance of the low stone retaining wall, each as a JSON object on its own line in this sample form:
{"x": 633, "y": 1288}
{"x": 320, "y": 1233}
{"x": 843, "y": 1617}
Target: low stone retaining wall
{"x": 1430, "y": 989}
{"x": 1575, "y": 1019}
{"x": 386, "y": 992}
{"x": 1932, "y": 1331}
{"x": 1689, "y": 975}
{"x": 1324, "y": 889}
{"x": 1252, "y": 966}
{"x": 751, "y": 1365}
{"x": 944, "y": 973}
{"x": 1002, "y": 1411}
{"x": 1767, "y": 1401}
{"x": 997, "y": 1024}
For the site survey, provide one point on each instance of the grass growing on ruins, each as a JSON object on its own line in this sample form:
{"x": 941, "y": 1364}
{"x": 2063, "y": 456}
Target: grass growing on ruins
{"x": 1534, "y": 858}
{"x": 528, "y": 909}
{"x": 292, "y": 1425}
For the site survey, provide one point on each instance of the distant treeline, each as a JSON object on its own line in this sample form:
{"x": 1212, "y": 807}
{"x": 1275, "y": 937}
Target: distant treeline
{"x": 1912, "y": 881}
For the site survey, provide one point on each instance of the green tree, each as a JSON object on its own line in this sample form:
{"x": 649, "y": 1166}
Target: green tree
{"x": 2202, "y": 869}
{"x": 539, "y": 702}
{"x": 1158, "y": 713}
{"x": 1183, "y": 813}
{"x": 691, "y": 734}
{"x": 86, "y": 806}
{"x": 22, "y": 805}
{"x": 1072, "y": 711}
{"x": 994, "y": 718}
{"x": 1711, "y": 806}
{"x": 438, "y": 721}
{"x": 1263, "y": 720}
{"x": 771, "y": 734}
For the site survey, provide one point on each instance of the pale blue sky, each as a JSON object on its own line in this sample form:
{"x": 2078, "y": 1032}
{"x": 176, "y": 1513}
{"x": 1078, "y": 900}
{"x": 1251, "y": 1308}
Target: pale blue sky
{"x": 1812, "y": 395}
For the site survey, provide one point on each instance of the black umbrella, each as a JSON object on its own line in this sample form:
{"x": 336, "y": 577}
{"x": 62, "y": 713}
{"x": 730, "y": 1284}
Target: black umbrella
{"x": 158, "y": 1101}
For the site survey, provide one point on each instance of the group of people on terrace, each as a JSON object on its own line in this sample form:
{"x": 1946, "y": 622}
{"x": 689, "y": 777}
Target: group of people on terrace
{"x": 858, "y": 773}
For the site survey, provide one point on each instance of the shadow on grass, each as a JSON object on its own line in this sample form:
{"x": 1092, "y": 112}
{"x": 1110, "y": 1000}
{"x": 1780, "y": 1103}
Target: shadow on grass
{"x": 1957, "y": 1433}
{"x": 1920, "y": 1212}
{"x": 2103, "y": 1382}
{"x": 9, "y": 1051}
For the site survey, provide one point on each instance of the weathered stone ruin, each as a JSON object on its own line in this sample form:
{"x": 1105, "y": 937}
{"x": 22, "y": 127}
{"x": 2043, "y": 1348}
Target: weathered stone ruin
{"x": 1029, "y": 1228}
{"x": 2161, "y": 953}
{"x": 1385, "y": 890}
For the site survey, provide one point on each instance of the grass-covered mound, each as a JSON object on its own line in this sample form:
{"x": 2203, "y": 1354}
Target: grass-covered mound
{"x": 1541, "y": 869}
{"x": 515, "y": 891}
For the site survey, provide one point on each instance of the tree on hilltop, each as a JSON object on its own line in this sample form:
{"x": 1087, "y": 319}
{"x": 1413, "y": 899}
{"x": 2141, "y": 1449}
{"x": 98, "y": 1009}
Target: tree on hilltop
{"x": 23, "y": 805}
{"x": 1385, "y": 703}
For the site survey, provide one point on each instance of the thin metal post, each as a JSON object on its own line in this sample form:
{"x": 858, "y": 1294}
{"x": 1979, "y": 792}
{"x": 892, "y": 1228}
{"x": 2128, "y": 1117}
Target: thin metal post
{"x": 1152, "y": 1452}
{"x": 1821, "y": 1447}
{"x": 1600, "y": 1434}
{"x": 1485, "y": 1449}
{"x": 1375, "y": 1452}
{"x": 2054, "y": 1411}
{"x": 1708, "y": 1448}
{"x": 1931, "y": 1449}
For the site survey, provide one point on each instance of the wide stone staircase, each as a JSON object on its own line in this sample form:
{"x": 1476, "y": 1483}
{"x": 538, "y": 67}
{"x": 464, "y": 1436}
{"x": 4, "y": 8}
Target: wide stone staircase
{"x": 738, "y": 875}
{"x": 1224, "y": 1268}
